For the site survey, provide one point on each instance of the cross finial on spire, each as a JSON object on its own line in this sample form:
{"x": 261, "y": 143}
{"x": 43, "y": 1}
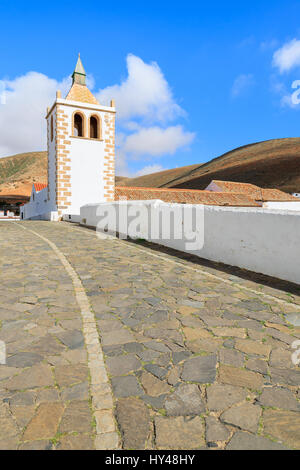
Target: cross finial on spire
{"x": 79, "y": 74}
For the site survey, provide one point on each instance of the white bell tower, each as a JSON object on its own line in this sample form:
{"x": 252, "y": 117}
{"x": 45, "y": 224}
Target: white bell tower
{"x": 81, "y": 149}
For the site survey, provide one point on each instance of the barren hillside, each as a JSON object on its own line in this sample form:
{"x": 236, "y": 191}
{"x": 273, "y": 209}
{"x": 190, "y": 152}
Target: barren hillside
{"x": 157, "y": 180}
{"x": 269, "y": 164}
{"x": 17, "y": 173}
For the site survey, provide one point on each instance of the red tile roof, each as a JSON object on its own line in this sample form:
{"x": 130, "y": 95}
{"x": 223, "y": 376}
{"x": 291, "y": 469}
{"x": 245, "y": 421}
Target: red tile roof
{"x": 39, "y": 186}
{"x": 253, "y": 191}
{"x": 187, "y": 196}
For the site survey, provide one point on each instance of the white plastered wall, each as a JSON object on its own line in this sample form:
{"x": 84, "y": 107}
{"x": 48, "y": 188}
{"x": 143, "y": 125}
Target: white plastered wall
{"x": 261, "y": 240}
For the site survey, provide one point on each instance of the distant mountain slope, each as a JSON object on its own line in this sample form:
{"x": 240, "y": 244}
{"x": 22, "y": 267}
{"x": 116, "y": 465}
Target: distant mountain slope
{"x": 269, "y": 164}
{"x": 17, "y": 173}
{"x": 159, "y": 179}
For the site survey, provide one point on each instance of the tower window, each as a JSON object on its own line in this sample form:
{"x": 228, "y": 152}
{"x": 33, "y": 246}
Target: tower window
{"x": 94, "y": 127}
{"x": 78, "y": 125}
{"x": 51, "y": 128}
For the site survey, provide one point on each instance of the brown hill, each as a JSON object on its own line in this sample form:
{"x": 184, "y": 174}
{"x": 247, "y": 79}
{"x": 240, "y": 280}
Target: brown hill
{"x": 158, "y": 179}
{"x": 17, "y": 173}
{"x": 268, "y": 164}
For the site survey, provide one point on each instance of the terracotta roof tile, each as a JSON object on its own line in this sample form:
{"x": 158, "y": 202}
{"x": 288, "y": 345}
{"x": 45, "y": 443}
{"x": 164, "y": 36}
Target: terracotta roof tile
{"x": 39, "y": 186}
{"x": 187, "y": 196}
{"x": 251, "y": 190}
{"x": 81, "y": 93}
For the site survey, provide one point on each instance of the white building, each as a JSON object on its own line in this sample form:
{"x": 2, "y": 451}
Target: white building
{"x": 81, "y": 154}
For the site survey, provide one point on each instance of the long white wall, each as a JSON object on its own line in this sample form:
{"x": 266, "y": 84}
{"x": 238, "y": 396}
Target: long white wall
{"x": 261, "y": 240}
{"x": 283, "y": 205}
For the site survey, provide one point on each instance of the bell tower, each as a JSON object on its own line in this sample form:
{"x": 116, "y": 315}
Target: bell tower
{"x": 81, "y": 149}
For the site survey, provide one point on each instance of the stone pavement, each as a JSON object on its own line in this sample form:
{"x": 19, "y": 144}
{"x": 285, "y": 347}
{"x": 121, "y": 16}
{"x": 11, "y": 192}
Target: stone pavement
{"x": 196, "y": 358}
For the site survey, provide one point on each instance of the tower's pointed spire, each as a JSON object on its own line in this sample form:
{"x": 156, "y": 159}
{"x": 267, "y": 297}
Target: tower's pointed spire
{"x": 79, "y": 74}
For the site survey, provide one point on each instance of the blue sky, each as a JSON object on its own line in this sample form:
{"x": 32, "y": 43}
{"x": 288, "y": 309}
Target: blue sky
{"x": 223, "y": 73}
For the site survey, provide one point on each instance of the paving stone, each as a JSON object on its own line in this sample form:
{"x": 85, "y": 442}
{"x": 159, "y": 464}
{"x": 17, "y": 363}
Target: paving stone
{"x": 24, "y": 359}
{"x": 279, "y": 398}
{"x": 245, "y": 416}
{"x": 180, "y": 356}
{"x": 249, "y": 346}
{"x": 77, "y": 417}
{"x": 232, "y": 357}
{"x": 129, "y": 411}
{"x": 22, "y": 414}
{"x": 185, "y": 401}
{"x": 281, "y": 358}
{"x": 43, "y": 444}
{"x": 120, "y": 365}
{"x": 79, "y": 442}
{"x": 157, "y": 403}
{"x": 133, "y": 347}
{"x": 173, "y": 376}
{"x": 39, "y": 375}
{"x": 192, "y": 303}
{"x": 285, "y": 376}
{"x": 179, "y": 433}
{"x": 126, "y": 386}
{"x": 8, "y": 426}
{"x": 288, "y": 339}
{"x": 245, "y": 441}
{"x": 7, "y": 372}
{"x": 71, "y": 374}
{"x": 75, "y": 356}
{"x": 77, "y": 392}
{"x": 230, "y": 332}
{"x": 45, "y": 422}
{"x": 204, "y": 345}
{"x": 73, "y": 339}
{"x": 47, "y": 395}
{"x": 153, "y": 386}
{"x": 10, "y": 443}
{"x": 201, "y": 369}
{"x": 257, "y": 365}
{"x": 46, "y": 346}
{"x": 117, "y": 337}
{"x": 22, "y": 398}
{"x": 196, "y": 333}
{"x": 159, "y": 372}
{"x": 156, "y": 346}
{"x": 240, "y": 377}
{"x": 229, "y": 343}
{"x": 185, "y": 310}
{"x": 284, "y": 426}
{"x": 215, "y": 431}
{"x": 148, "y": 356}
{"x": 169, "y": 335}
{"x": 220, "y": 397}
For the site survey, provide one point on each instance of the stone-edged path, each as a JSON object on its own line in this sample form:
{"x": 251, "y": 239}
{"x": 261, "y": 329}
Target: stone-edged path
{"x": 196, "y": 358}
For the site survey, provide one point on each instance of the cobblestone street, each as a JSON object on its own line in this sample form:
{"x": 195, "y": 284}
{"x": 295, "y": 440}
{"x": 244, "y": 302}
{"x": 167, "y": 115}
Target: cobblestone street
{"x": 186, "y": 356}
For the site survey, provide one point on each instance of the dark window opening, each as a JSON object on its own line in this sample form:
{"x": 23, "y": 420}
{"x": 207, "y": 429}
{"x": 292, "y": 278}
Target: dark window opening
{"x": 94, "y": 128}
{"x": 78, "y": 125}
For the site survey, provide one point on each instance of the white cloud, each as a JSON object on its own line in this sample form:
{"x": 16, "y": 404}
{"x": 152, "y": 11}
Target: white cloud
{"x": 149, "y": 169}
{"x": 145, "y": 104}
{"x": 145, "y": 93}
{"x": 155, "y": 141}
{"x": 22, "y": 123}
{"x": 241, "y": 83}
{"x": 288, "y": 56}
